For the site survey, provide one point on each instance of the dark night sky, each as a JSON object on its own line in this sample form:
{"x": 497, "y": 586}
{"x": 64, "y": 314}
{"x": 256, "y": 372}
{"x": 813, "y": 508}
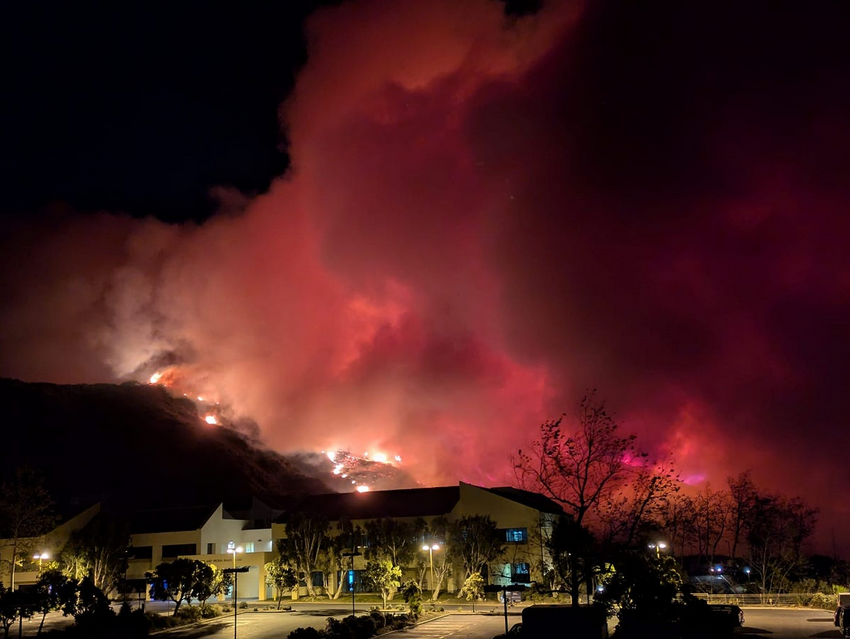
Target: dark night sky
{"x": 436, "y": 225}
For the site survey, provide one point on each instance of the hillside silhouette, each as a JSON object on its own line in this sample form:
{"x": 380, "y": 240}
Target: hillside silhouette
{"x": 135, "y": 445}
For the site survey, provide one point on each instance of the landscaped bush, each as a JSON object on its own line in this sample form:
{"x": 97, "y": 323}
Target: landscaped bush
{"x": 211, "y": 612}
{"x": 161, "y": 622}
{"x": 824, "y": 601}
{"x": 337, "y": 629}
{"x": 378, "y": 618}
{"x": 188, "y": 614}
{"x": 243, "y": 605}
{"x": 305, "y": 633}
{"x": 361, "y": 627}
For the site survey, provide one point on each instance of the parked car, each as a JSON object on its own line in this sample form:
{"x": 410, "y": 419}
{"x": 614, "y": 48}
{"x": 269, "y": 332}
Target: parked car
{"x": 731, "y": 613}
{"x": 514, "y": 633}
{"x": 842, "y": 620}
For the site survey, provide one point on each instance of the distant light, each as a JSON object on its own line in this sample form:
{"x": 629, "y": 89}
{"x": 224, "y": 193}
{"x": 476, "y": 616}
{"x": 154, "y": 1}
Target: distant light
{"x": 155, "y": 378}
{"x": 210, "y": 419}
{"x": 331, "y": 455}
{"x": 362, "y": 489}
{"x": 398, "y": 458}
{"x": 747, "y": 570}
{"x": 200, "y": 399}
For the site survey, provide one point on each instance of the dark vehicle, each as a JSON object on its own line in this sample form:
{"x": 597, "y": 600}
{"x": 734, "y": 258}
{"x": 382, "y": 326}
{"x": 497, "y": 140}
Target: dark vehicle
{"x": 514, "y": 633}
{"x": 551, "y": 621}
{"x": 727, "y": 615}
{"x": 842, "y": 620}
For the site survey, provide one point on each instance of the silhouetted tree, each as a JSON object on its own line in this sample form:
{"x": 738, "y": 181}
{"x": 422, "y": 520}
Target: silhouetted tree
{"x": 570, "y": 547}
{"x": 580, "y": 468}
{"x": 26, "y": 513}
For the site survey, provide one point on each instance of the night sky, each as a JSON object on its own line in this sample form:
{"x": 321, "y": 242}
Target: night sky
{"x": 425, "y": 227}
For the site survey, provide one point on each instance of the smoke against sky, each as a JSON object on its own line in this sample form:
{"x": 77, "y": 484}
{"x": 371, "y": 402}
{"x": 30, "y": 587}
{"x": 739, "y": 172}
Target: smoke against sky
{"x": 484, "y": 217}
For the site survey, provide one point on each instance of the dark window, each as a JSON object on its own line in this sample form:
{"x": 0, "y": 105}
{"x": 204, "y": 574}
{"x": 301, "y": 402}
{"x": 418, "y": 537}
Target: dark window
{"x": 175, "y": 550}
{"x": 318, "y": 579}
{"x": 521, "y": 573}
{"x": 211, "y": 548}
{"x": 141, "y": 552}
{"x": 516, "y": 535}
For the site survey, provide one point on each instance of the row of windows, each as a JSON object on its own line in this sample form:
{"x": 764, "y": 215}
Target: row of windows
{"x": 511, "y": 536}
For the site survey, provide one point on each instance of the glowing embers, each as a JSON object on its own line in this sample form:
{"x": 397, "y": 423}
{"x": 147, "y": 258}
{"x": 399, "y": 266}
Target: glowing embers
{"x": 211, "y": 419}
{"x": 362, "y": 489}
{"x": 155, "y": 378}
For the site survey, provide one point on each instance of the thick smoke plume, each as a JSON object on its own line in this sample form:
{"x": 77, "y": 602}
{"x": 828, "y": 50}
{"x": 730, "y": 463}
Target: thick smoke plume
{"x": 484, "y": 218}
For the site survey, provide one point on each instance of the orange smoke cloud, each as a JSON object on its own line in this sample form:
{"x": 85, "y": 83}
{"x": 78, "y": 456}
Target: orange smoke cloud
{"x": 483, "y": 218}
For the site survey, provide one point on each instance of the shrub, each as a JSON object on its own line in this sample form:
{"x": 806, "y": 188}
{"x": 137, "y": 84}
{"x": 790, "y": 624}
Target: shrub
{"x": 361, "y": 627}
{"x": 160, "y": 622}
{"x": 306, "y": 633}
{"x": 336, "y": 629}
{"x": 188, "y": 614}
{"x": 243, "y": 605}
{"x": 378, "y": 618}
{"x": 211, "y": 612}
{"x": 825, "y": 602}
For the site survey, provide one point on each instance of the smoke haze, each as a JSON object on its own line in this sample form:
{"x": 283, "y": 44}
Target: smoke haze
{"x": 485, "y": 217}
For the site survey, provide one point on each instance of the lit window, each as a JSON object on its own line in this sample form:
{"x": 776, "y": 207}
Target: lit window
{"x": 516, "y": 535}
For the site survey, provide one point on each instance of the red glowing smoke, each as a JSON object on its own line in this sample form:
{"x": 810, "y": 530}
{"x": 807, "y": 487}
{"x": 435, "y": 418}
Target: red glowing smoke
{"x": 485, "y": 218}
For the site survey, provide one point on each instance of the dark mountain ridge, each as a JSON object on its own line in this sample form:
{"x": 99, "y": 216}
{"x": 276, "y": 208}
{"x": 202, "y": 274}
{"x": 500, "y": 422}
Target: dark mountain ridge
{"x": 135, "y": 445}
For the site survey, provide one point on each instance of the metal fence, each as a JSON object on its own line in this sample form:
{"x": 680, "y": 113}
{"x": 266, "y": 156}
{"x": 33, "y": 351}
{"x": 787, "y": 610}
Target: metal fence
{"x": 756, "y": 600}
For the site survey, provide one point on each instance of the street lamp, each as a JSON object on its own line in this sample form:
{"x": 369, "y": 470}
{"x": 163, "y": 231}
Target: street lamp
{"x": 41, "y": 556}
{"x": 658, "y": 546}
{"x": 232, "y": 549}
{"x": 431, "y": 550}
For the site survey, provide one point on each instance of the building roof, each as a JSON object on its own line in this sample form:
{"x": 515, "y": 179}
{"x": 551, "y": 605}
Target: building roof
{"x": 411, "y": 502}
{"x": 527, "y": 498}
{"x": 175, "y": 519}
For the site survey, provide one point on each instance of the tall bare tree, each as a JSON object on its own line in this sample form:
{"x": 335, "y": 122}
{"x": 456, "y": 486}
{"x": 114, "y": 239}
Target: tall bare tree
{"x": 742, "y": 494}
{"x": 580, "y": 467}
{"x": 26, "y": 513}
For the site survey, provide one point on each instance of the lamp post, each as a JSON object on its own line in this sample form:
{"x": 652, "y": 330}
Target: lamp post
{"x": 658, "y": 546}
{"x": 40, "y": 556}
{"x": 431, "y": 550}
{"x": 232, "y": 549}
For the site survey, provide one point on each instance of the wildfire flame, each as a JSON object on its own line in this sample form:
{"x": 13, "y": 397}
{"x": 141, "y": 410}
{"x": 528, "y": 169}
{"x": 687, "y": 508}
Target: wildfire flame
{"x": 155, "y": 378}
{"x": 210, "y": 419}
{"x": 362, "y": 489}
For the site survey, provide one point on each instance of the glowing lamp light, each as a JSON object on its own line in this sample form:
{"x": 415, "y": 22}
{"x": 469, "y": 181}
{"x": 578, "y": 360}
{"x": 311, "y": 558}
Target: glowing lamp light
{"x": 362, "y": 489}
{"x": 210, "y": 419}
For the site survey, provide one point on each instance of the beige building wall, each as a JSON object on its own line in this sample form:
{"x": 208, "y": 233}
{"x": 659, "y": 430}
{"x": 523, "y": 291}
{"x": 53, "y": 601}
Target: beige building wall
{"x": 473, "y": 500}
{"x": 211, "y": 542}
{"x": 52, "y": 543}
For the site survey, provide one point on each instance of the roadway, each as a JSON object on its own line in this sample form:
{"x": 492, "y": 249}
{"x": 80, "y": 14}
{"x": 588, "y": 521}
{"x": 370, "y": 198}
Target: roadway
{"x": 778, "y": 623}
